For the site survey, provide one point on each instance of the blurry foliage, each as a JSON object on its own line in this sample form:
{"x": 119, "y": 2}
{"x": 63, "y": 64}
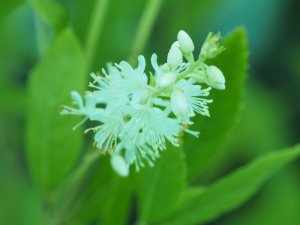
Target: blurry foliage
{"x": 267, "y": 123}
{"x": 156, "y": 200}
{"x": 225, "y": 108}
{"x": 50, "y": 153}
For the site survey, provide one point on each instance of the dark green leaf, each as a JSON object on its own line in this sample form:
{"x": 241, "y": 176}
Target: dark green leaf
{"x": 159, "y": 188}
{"x": 232, "y": 191}
{"x": 104, "y": 193}
{"x": 7, "y": 7}
{"x": 52, "y": 147}
{"x": 226, "y": 106}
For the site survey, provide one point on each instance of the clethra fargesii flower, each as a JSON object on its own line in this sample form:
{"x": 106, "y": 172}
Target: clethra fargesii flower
{"x": 137, "y": 115}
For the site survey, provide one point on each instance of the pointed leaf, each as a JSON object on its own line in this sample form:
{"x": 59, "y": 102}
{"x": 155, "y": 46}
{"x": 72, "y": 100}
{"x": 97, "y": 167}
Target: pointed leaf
{"x": 52, "y": 147}
{"x": 232, "y": 191}
{"x": 226, "y": 106}
{"x": 159, "y": 188}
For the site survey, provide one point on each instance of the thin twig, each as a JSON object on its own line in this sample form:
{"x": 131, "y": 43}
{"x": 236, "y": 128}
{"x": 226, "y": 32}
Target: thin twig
{"x": 144, "y": 28}
{"x": 95, "y": 30}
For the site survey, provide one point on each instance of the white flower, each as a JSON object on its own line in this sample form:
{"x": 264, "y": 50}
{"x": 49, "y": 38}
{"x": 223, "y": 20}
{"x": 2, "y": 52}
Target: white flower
{"x": 166, "y": 79}
{"x": 124, "y": 85}
{"x": 145, "y": 127}
{"x": 77, "y": 101}
{"x": 164, "y": 75}
{"x": 135, "y": 118}
{"x": 107, "y": 134}
{"x": 135, "y": 152}
{"x": 88, "y": 110}
{"x": 186, "y": 99}
{"x": 179, "y": 104}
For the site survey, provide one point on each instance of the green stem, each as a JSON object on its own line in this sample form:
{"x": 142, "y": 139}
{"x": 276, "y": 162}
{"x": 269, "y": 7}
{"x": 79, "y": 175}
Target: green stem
{"x": 144, "y": 28}
{"x": 74, "y": 185}
{"x": 94, "y": 31}
{"x": 157, "y": 92}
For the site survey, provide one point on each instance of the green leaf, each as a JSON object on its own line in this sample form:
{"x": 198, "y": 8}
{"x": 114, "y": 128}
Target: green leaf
{"x": 159, "y": 188}
{"x": 52, "y": 13}
{"x": 188, "y": 196}
{"x": 266, "y": 207}
{"x": 116, "y": 208}
{"x": 52, "y": 147}
{"x": 7, "y": 7}
{"x": 226, "y": 106}
{"x": 232, "y": 191}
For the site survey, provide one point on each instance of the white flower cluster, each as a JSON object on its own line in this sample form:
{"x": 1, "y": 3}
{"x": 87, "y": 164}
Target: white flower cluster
{"x": 137, "y": 113}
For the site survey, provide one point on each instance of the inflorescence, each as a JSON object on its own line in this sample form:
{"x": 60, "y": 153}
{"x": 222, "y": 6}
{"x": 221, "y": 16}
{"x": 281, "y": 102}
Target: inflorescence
{"x": 137, "y": 113}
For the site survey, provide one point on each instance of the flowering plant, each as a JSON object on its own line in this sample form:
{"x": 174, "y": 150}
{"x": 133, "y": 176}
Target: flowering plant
{"x": 137, "y": 113}
{"x": 149, "y": 165}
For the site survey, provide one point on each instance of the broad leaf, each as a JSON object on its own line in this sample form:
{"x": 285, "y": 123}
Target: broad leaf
{"x": 52, "y": 146}
{"x": 226, "y": 106}
{"x": 232, "y": 191}
{"x": 159, "y": 188}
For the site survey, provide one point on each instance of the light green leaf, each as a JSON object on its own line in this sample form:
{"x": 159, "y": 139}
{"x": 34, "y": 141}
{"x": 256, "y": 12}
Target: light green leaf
{"x": 52, "y": 147}
{"x": 188, "y": 196}
{"x": 232, "y": 191}
{"x": 226, "y": 106}
{"x": 52, "y": 12}
{"x": 159, "y": 188}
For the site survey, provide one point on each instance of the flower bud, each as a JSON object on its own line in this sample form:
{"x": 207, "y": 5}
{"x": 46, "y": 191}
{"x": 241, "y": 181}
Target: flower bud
{"x": 185, "y": 42}
{"x": 119, "y": 165}
{"x": 175, "y": 55}
{"x": 215, "y": 78}
{"x": 166, "y": 80}
{"x": 211, "y": 47}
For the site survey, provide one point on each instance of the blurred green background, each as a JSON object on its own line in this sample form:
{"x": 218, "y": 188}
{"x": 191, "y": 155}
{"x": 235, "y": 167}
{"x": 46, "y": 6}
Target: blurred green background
{"x": 271, "y": 112}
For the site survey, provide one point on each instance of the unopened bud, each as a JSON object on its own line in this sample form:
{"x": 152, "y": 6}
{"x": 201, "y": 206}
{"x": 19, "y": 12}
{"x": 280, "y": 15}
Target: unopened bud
{"x": 175, "y": 55}
{"x": 215, "y": 78}
{"x": 211, "y": 47}
{"x": 199, "y": 76}
{"x": 185, "y": 42}
{"x": 119, "y": 165}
